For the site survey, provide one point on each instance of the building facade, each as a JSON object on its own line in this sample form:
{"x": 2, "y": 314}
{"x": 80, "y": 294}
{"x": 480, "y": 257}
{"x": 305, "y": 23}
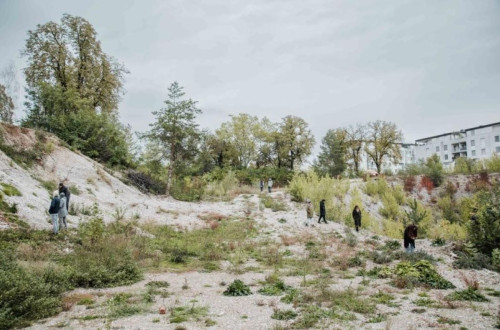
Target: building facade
{"x": 478, "y": 142}
{"x": 407, "y": 157}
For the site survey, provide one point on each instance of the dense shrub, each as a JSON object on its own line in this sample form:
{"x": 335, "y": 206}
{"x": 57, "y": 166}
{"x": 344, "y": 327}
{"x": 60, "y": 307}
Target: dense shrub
{"x": 145, "y": 182}
{"x": 434, "y": 170}
{"x": 484, "y": 226}
{"x": 237, "y": 288}
{"x": 26, "y": 295}
{"x": 420, "y": 273}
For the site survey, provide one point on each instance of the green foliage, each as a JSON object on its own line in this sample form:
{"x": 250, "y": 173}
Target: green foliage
{"x": 10, "y": 190}
{"x": 237, "y": 288}
{"x": 390, "y": 208}
{"x": 384, "y": 140}
{"x": 331, "y": 160}
{"x": 284, "y": 314}
{"x": 273, "y": 203}
{"x": 421, "y": 273}
{"x": 26, "y": 295}
{"x": 469, "y": 294}
{"x": 275, "y": 289}
{"x": 175, "y": 129}
{"x": 484, "y": 231}
{"x": 439, "y": 242}
{"x": 463, "y": 165}
{"x": 493, "y": 164}
{"x": 468, "y": 257}
{"x": 181, "y": 314}
{"x": 222, "y": 188}
{"x": 350, "y": 300}
{"x": 434, "y": 170}
{"x": 416, "y": 214}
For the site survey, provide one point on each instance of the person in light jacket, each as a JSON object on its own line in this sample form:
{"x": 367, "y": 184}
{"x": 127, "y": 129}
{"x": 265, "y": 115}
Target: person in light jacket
{"x": 54, "y": 211}
{"x": 63, "y": 210}
{"x": 269, "y": 185}
{"x": 310, "y": 213}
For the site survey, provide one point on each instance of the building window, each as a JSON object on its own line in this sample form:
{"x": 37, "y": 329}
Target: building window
{"x": 473, "y": 153}
{"x": 446, "y": 157}
{"x": 437, "y": 149}
{"x": 483, "y": 151}
{"x": 472, "y": 143}
{"x": 497, "y": 138}
{"x": 445, "y": 147}
{"x": 483, "y": 143}
{"x": 497, "y": 149}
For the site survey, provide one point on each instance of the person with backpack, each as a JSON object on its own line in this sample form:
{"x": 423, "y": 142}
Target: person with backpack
{"x": 322, "y": 211}
{"x": 356, "y": 215}
{"x": 63, "y": 211}
{"x": 409, "y": 237}
{"x": 54, "y": 211}
{"x": 65, "y": 190}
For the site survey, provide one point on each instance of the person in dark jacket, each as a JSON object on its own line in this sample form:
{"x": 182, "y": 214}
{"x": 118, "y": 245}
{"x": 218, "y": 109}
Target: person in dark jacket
{"x": 356, "y": 215}
{"x": 410, "y": 235}
{"x": 322, "y": 211}
{"x": 54, "y": 211}
{"x": 261, "y": 185}
{"x": 65, "y": 190}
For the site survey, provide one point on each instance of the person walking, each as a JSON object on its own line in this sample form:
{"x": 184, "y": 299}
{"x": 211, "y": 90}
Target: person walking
{"x": 54, "y": 211}
{"x": 261, "y": 185}
{"x": 269, "y": 185}
{"x": 322, "y": 211}
{"x": 356, "y": 215}
{"x": 63, "y": 211}
{"x": 65, "y": 190}
{"x": 310, "y": 213}
{"x": 409, "y": 237}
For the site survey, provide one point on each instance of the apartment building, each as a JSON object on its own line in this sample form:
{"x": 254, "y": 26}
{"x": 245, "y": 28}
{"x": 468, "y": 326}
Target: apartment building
{"x": 475, "y": 143}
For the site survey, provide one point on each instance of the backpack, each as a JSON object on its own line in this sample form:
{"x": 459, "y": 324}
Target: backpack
{"x": 54, "y": 205}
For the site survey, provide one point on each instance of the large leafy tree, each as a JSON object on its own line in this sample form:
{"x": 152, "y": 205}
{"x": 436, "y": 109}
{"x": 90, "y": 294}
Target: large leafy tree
{"x": 73, "y": 89}
{"x": 241, "y": 132}
{"x": 383, "y": 142}
{"x": 293, "y": 142}
{"x": 68, "y": 57}
{"x": 331, "y": 159}
{"x": 175, "y": 129}
{"x": 355, "y": 141}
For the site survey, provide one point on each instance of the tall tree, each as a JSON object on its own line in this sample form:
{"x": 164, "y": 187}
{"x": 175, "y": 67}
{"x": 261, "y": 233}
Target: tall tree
{"x": 174, "y": 128}
{"x": 68, "y": 58}
{"x": 383, "y": 142}
{"x": 6, "y": 106}
{"x": 241, "y": 132}
{"x": 294, "y": 142}
{"x": 331, "y": 159}
{"x": 355, "y": 140}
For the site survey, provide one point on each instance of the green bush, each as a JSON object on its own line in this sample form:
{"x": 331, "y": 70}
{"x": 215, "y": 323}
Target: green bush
{"x": 237, "y": 288}
{"x": 468, "y": 294}
{"x": 26, "y": 295}
{"x": 106, "y": 263}
{"x": 421, "y": 273}
{"x": 434, "y": 170}
{"x": 274, "y": 289}
{"x": 484, "y": 231}
{"x": 284, "y": 314}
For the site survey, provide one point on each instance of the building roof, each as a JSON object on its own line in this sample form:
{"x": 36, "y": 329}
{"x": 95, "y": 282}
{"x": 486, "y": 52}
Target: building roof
{"x": 460, "y": 131}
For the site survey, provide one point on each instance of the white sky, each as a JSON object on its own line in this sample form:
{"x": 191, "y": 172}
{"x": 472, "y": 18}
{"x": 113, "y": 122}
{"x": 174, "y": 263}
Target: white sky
{"x": 430, "y": 66}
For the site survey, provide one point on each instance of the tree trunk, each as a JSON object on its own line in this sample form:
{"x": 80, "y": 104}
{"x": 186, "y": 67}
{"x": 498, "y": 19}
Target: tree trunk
{"x": 170, "y": 171}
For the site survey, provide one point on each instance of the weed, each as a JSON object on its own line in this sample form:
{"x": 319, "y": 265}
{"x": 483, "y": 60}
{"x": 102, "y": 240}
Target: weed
{"x": 284, "y": 314}
{"x": 274, "y": 289}
{"x": 468, "y": 294}
{"x": 439, "y": 242}
{"x": 425, "y": 302}
{"x": 237, "y": 288}
{"x": 181, "y": 314}
{"x": 10, "y": 190}
{"x": 447, "y": 320}
{"x": 420, "y": 273}
{"x": 377, "y": 319}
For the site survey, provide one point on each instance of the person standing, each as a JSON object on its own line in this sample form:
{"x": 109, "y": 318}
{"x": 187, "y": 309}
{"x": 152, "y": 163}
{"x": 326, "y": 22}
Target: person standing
{"x": 65, "y": 190}
{"x": 261, "y": 185}
{"x": 356, "y": 215}
{"x": 310, "y": 212}
{"x": 54, "y": 211}
{"x": 63, "y": 211}
{"x": 409, "y": 237}
{"x": 269, "y": 185}
{"x": 322, "y": 211}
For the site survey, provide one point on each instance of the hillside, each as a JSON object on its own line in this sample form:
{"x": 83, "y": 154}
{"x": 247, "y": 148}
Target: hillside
{"x": 326, "y": 276}
{"x": 89, "y": 182}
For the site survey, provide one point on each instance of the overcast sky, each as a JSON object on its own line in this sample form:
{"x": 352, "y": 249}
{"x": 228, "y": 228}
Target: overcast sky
{"x": 429, "y": 66}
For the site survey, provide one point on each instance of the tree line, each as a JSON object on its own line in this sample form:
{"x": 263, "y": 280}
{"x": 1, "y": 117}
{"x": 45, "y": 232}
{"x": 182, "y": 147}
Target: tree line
{"x": 74, "y": 88}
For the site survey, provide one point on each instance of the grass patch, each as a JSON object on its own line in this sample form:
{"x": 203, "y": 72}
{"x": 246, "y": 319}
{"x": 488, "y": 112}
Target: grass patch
{"x": 421, "y": 273}
{"x": 10, "y": 190}
{"x": 181, "y": 314}
{"x": 274, "y": 204}
{"x": 468, "y": 294}
{"x": 284, "y": 314}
